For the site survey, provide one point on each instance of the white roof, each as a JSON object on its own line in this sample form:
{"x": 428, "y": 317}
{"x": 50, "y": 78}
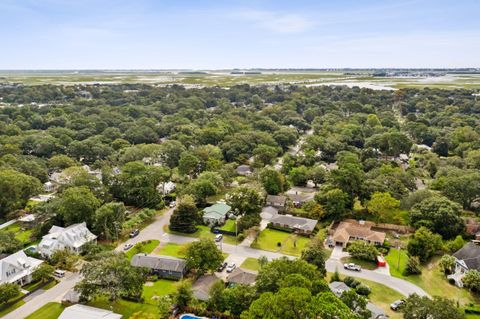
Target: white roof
{"x": 87, "y": 312}
{"x": 74, "y": 236}
{"x": 17, "y": 266}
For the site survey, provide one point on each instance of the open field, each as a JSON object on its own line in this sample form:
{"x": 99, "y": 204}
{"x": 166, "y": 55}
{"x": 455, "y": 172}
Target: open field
{"x": 225, "y": 79}
{"x": 282, "y": 242}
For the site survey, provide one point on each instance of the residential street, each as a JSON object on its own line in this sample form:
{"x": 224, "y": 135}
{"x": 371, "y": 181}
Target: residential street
{"x": 236, "y": 254}
{"x": 53, "y": 294}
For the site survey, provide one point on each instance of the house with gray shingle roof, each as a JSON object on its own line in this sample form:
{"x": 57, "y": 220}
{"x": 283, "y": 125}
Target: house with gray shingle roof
{"x": 216, "y": 214}
{"x": 298, "y": 224}
{"x": 163, "y": 266}
{"x": 467, "y": 258}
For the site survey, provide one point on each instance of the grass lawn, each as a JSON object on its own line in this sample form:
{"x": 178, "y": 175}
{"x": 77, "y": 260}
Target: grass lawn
{"x": 5, "y": 310}
{"x": 250, "y": 263}
{"x": 290, "y": 244}
{"x": 432, "y": 280}
{"x": 229, "y": 226}
{"x": 159, "y": 288}
{"x": 143, "y": 247}
{"x": 202, "y": 231}
{"x": 124, "y": 307}
{"x": 51, "y": 310}
{"x": 33, "y": 285}
{"x": 22, "y": 235}
{"x": 362, "y": 263}
{"x": 171, "y": 249}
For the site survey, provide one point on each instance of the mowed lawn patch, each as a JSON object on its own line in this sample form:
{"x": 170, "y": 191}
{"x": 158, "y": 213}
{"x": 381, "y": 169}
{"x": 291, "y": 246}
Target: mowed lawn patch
{"x": 282, "y": 242}
{"x": 250, "y": 263}
{"x": 229, "y": 226}
{"x": 432, "y": 280}
{"x": 172, "y": 249}
{"x": 161, "y": 287}
{"x": 124, "y": 307}
{"x": 202, "y": 231}
{"x": 21, "y": 234}
{"x": 143, "y": 247}
{"x": 51, "y": 310}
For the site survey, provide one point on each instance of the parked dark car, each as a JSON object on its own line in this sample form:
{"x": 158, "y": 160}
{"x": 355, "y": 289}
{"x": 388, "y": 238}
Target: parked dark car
{"x": 222, "y": 266}
{"x": 134, "y": 233}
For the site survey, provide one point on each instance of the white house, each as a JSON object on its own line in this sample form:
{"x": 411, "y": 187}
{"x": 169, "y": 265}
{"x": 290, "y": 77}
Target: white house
{"x": 86, "y": 312}
{"x": 73, "y": 238}
{"x": 18, "y": 268}
{"x": 49, "y": 187}
{"x": 166, "y": 188}
{"x": 467, "y": 258}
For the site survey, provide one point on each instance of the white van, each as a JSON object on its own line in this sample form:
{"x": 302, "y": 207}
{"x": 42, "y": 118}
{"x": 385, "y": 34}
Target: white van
{"x": 59, "y": 273}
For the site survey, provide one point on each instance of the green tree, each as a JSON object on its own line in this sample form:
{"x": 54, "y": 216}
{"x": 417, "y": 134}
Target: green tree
{"x": 335, "y": 202}
{"x": 78, "y": 204}
{"x": 185, "y": 216}
{"x": 438, "y": 214}
{"x": 362, "y": 250}
{"x": 245, "y": 200}
{"x": 424, "y": 244}
{"x": 299, "y": 176}
{"x": 164, "y": 307}
{"x": 356, "y": 303}
{"x": 8, "y": 243}
{"x": 317, "y": 174}
{"x": 417, "y": 307}
{"x": 188, "y": 164}
{"x": 203, "y": 255}
{"x": 43, "y": 273}
{"x": 108, "y": 220}
{"x": 447, "y": 264}
{"x": 8, "y": 291}
{"x": 111, "y": 276}
{"x": 382, "y": 203}
{"x": 413, "y": 266}
{"x": 272, "y": 181}
{"x": 15, "y": 189}
{"x": 471, "y": 280}
{"x": 184, "y": 294}
{"x": 315, "y": 254}
{"x": 64, "y": 259}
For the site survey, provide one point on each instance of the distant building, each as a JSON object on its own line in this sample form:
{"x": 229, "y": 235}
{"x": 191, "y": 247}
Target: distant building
{"x": 338, "y": 288}
{"x": 216, "y": 214}
{"x": 242, "y": 277}
{"x": 467, "y": 258}
{"x": 376, "y": 312}
{"x": 300, "y": 225}
{"x": 355, "y": 230}
{"x": 73, "y": 238}
{"x": 166, "y": 188}
{"x": 163, "y": 266}
{"x": 18, "y": 268}
{"x": 277, "y": 201}
{"x": 244, "y": 170}
{"x": 49, "y": 187}
{"x": 87, "y": 312}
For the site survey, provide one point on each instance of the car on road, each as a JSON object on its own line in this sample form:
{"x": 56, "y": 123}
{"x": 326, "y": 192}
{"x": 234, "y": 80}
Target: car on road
{"x": 352, "y": 266}
{"x": 218, "y": 237}
{"x": 222, "y": 266}
{"x": 59, "y": 273}
{"x": 127, "y": 246}
{"x": 396, "y": 305}
{"x": 172, "y": 205}
{"x": 134, "y": 233}
{"x": 231, "y": 267}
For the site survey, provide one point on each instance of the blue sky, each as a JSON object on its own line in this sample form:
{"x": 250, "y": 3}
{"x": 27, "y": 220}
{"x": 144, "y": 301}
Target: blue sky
{"x": 149, "y": 34}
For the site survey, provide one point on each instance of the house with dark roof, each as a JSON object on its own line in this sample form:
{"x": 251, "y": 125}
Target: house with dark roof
{"x": 242, "y": 277}
{"x": 338, "y": 288}
{"x": 298, "y": 224}
{"x": 244, "y": 170}
{"x": 467, "y": 258}
{"x": 201, "y": 287}
{"x": 277, "y": 201}
{"x": 355, "y": 230}
{"x": 216, "y": 214}
{"x": 162, "y": 266}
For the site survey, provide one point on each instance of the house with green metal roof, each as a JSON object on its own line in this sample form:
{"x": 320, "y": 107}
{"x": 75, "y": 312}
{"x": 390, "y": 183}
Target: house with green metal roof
{"x": 216, "y": 214}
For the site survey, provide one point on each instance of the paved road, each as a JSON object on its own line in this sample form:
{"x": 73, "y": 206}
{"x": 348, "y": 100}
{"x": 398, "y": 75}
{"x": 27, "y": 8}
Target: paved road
{"x": 53, "y": 294}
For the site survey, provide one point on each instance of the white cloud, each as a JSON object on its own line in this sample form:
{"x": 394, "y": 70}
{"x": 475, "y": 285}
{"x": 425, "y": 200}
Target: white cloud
{"x": 277, "y": 22}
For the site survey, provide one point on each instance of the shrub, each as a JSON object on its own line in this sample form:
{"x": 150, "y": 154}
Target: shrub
{"x": 363, "y": 290}
{"x": 351, "y": 282}
{"x": 363, "y": 251}
{"x": 413, "y": 266}
{"x": 335, "y": 276}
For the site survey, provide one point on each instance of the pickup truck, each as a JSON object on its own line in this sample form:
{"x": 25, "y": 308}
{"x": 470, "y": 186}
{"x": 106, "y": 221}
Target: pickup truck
{"x": 352, "y": 266}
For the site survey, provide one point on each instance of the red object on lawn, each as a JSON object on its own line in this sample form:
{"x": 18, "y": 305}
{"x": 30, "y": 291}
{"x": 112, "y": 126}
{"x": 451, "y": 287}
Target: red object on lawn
{"x": 381, "y": 261}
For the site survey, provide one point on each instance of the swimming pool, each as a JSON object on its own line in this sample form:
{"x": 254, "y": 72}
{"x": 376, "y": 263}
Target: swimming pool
{"x": 189, "y": 316}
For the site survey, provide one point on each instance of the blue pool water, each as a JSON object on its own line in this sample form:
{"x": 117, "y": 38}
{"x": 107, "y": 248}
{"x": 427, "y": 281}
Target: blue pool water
{"x": 189, "y": 317}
